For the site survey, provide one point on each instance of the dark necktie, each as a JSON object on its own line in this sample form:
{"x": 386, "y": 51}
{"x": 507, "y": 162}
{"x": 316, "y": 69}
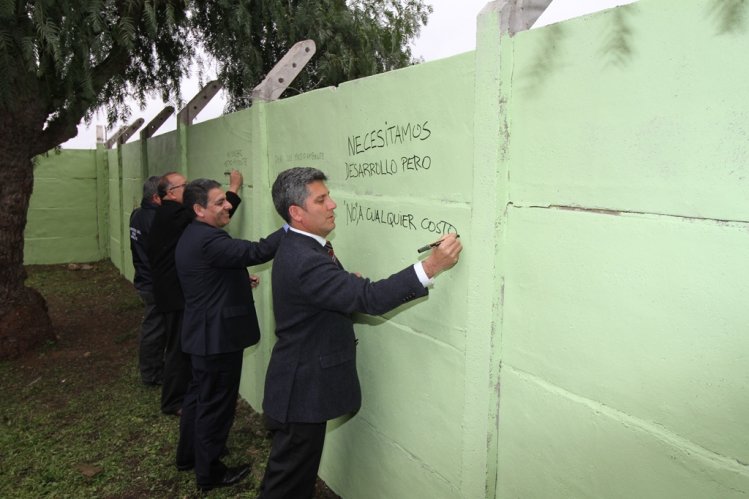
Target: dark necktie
{"x": 331, "y": 253}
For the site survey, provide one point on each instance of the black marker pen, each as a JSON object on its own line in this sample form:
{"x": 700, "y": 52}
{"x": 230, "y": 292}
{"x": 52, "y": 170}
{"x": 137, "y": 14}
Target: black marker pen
{"x": 432, "y": 245}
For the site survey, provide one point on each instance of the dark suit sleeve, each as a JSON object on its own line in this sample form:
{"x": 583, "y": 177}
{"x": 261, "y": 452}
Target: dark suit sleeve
{"x": 331, "y": 288}
{"x": 234, "y": 200}
{"x": 224, "y": 252}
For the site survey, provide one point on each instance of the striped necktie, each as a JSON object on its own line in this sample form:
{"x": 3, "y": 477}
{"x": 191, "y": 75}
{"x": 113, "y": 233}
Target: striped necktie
{"x": 331, "y": 253}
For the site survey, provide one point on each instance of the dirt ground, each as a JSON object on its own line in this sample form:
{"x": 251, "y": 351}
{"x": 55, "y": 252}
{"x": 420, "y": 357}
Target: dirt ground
{"x": 96, "y": 315}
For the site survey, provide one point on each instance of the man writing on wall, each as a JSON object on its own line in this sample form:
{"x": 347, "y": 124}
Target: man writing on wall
{"x": 219, "y": 323}
{"x": 312, "y": 374}
{"x": 170, "y": 220}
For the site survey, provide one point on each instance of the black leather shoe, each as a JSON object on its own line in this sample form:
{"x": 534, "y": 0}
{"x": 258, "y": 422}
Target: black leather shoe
{"x": 231, "y": 477}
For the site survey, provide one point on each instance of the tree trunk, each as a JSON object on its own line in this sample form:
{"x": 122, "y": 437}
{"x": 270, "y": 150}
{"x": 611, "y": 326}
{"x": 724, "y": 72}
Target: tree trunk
{"x": 24, "y": 321}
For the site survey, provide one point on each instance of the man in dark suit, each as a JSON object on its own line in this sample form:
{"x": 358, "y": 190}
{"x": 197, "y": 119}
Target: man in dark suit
{"x": 170, "y": 220}
{"x": 219, "y": 322}
{"x": 312, "y": 375}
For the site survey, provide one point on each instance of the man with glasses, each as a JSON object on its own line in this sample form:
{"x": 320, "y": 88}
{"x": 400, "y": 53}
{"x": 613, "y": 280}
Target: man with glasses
{"x": 219, "y": 323}
{"x": 169, "y": 222}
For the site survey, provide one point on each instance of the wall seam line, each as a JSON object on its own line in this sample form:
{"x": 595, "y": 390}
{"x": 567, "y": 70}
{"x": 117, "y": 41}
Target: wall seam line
{"x": 668, "y": 437}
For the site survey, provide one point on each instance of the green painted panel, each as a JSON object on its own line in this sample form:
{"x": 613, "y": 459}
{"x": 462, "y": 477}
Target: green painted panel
{"x": 132, "y": 195}
{"x": 115, "y": 256}
{"x": 69, "y": 163}
{"x": 217, "y": 146}
{"x": 418, "y": 411}
{"x": 115, "y": 212}
{"x": 378, "y": 236}
{"x": 412, "y": 365}
{"x": 163, "y": 153}
{"x": 605, "y": 307}
{"x": 555, "y": 444}
{"x": 407, "y": 136}
{"x": 648, "y": 124}
{"x": 383, "y": 219}
{"x": 368, "y": 142}
{"x": 64, "y": 192}
{"x": 359, "y": 462}
{"x": 131, "y": 160}
{"x": 76, "y": 222}
{"x": 54, "y": 250}
{"x": 62, "y": 221}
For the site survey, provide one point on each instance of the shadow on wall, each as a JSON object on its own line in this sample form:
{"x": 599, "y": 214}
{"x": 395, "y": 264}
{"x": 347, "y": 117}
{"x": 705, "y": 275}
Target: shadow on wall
{"x": 617, "y": 41}
{"x": 616, "y": 49}
{"x": 729, "y": 15}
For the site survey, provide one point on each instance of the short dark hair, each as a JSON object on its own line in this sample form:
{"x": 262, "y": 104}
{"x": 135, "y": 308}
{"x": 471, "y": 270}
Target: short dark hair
{"x": 290, "y": 188}
{"x": 196, "y": 192}
{"x": 151, "y": 187}
{"x": 164, "y": 184}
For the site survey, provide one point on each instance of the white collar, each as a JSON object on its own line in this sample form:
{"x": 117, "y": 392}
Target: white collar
{"x": 317, "y": 238}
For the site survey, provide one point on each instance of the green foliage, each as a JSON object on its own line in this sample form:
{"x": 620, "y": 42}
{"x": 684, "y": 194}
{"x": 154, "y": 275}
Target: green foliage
{"x": 61, "y": 60}
{"x": 354, "y": 39}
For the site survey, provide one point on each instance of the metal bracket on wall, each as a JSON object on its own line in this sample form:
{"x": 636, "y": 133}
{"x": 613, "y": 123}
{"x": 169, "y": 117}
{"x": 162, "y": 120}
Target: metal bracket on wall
{"x": 124, "y": 133}
{"x": 155, "y": 123}
{"x": 188, "y": 113}
{"x": 283, "y": 73}
{"x": 522, "y": 15}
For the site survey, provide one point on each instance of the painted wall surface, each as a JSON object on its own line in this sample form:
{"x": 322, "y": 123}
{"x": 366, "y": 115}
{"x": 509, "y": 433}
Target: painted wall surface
{"x": 624, "y": 345}
{"x": 116, "y": 224}
{"x": 214, "y": 148}
{"x": 397, "y": 149}
{"x": 163, "y": 153}
{"x": 131, "y": 189}
{"x": 63, "y": 212}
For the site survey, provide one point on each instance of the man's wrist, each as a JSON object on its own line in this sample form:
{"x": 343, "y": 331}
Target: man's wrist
{"x": 429, "y": 269}
{"x": 424, "y": 279}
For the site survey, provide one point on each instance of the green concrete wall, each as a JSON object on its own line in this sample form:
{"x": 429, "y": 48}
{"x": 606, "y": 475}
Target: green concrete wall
{"x": 65, "y": 209}
{"x": 398, "y": 150}
{"x": 590, "y": 343}
{"x": 624, "y": 338}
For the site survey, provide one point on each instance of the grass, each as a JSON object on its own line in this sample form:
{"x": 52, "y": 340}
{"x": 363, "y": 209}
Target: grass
{"x": 76, "y": 422}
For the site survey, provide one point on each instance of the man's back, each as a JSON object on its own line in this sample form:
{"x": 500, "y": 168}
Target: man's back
{"x": 141, "y": 220}
{"x": 219, "y": 314}
{"x": 170, "y": 220}
{"x": 312, "y": 373}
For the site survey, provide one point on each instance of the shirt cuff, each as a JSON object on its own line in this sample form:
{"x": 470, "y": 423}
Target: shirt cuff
{"x": 425, "y": 281}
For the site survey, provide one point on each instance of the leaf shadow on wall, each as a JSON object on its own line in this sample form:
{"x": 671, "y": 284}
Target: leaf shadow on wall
{"x": 618, "y": 44}
{"x": 729, "y": 16}
{"x": 549, "y": 59}
{"x": 616, "y": 49}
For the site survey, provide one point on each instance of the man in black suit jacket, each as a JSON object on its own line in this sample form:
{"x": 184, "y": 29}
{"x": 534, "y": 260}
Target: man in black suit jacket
{"x": 312, "y": 375}
{"x": 219, "y": 322}
{"x": 170, "y": 220}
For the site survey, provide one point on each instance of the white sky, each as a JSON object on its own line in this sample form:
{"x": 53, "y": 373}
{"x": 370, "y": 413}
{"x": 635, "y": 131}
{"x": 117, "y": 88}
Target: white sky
{"x": 451, "y": 30}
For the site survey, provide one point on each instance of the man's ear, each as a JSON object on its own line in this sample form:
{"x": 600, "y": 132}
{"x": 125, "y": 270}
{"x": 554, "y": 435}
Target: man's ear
{"x": 199, "y": 210}
{"x": 295, "y": 212}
